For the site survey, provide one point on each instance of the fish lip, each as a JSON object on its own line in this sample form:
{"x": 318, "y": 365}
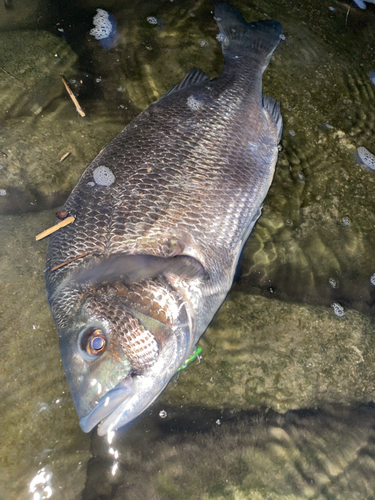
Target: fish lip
{"x": 117, "y": 397}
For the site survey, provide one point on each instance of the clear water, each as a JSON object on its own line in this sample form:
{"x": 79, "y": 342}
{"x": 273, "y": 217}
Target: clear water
{"x": 280, "y": 406}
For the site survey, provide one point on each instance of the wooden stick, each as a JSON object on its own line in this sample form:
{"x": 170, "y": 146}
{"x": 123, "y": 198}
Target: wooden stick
{"x": 65, "y": 156}
{"x": 7, "y": 73}
{"x": 52, "y": 229}
{"x": 73, "y": 97}
{"x": 69, "y": 261}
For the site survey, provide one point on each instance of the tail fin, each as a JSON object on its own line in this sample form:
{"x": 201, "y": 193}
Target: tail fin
{"x": 239, "y": 38}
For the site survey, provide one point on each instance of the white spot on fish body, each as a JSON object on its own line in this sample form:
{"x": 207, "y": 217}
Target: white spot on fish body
{"x": 220, "y": 37}
{"x": 2, "y": 192}
{"x": 107, "y": 400}
{"x": 194, "y": 103}
{"x": 152, "y": 20}
{"x": 103, "y": 176}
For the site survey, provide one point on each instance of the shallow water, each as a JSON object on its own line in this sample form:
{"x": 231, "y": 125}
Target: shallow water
{"x": 220, "y": 430}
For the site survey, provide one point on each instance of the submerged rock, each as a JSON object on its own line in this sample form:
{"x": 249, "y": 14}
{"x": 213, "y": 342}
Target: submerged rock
{"x": 39, "y": 428}
{"x": 262, "y": 352}
{"x": 33, "y": 62}
{"x": 33, "y": 176}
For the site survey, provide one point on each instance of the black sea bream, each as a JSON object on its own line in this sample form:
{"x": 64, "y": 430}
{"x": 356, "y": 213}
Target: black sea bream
{"x": 163, "y": 213}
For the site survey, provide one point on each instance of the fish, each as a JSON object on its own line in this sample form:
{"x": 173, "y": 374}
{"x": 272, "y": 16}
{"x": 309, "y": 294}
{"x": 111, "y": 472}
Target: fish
{"x": 161, "y": 216}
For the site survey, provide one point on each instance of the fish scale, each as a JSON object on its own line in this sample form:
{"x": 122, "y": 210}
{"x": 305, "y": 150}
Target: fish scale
{"x": 163, "y": 212}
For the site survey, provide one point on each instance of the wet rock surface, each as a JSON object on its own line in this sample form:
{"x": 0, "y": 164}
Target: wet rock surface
{"x": 261, "y": 352}
{"x": 33, "y": 174}
{"x": 40, "y": 436}
{"x": 194, "y": 453}
{"x": 32, "y": 80}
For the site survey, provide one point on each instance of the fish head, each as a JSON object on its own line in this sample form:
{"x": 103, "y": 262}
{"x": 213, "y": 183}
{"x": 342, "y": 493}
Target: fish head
{"x": 120, "y": 347}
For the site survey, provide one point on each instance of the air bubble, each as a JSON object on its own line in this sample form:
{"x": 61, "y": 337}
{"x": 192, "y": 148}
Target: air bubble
{"x": 365, "y": 159}
{"x": 332, "y": 282}
{"x": 346, "y": 221}
{"x": 338, "y": 310}
{"x": 103, "y": 26}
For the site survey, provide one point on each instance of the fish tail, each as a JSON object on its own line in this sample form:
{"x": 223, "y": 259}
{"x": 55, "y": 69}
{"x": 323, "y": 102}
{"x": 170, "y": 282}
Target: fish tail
{"x": 239, "y": 38}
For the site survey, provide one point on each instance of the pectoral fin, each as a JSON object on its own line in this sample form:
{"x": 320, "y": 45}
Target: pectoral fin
{"x": 134, "y": 268}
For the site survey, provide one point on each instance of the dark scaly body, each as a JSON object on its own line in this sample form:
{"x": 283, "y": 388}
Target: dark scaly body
{"x": 190, "y": 175}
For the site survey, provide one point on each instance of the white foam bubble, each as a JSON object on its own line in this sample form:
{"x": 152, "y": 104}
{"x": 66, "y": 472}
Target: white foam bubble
{"x": 103, "y": 26}
{"x": 338, "y": 310}
{"x": 194, "y": 103}
{"x": 152, "y": 20}
{"x": 332, "y": 282}
{"x": 103, "y": 176}
{"x": 372, "y": 279}
{"x": 366, "y": 159}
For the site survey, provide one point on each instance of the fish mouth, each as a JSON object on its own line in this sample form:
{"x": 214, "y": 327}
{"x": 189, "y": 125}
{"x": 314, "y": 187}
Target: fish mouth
{"x": 123, "y": 403}
{"x": 108, "y": 404}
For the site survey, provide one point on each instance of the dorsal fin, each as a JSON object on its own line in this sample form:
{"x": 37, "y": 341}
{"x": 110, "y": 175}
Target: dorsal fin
{"x": 273, "y": 108}
{"x": 192, "y": 77}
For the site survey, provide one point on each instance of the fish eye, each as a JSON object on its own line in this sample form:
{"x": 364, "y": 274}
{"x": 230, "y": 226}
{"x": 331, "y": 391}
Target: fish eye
{"x": 93, "y": 342}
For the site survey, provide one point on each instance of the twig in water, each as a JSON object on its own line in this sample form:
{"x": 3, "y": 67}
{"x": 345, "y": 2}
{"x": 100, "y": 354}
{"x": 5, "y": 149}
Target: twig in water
{"x": 65, "y": 156}
{"x": 7, "y": 73}
{"x": 73, "y": 97}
